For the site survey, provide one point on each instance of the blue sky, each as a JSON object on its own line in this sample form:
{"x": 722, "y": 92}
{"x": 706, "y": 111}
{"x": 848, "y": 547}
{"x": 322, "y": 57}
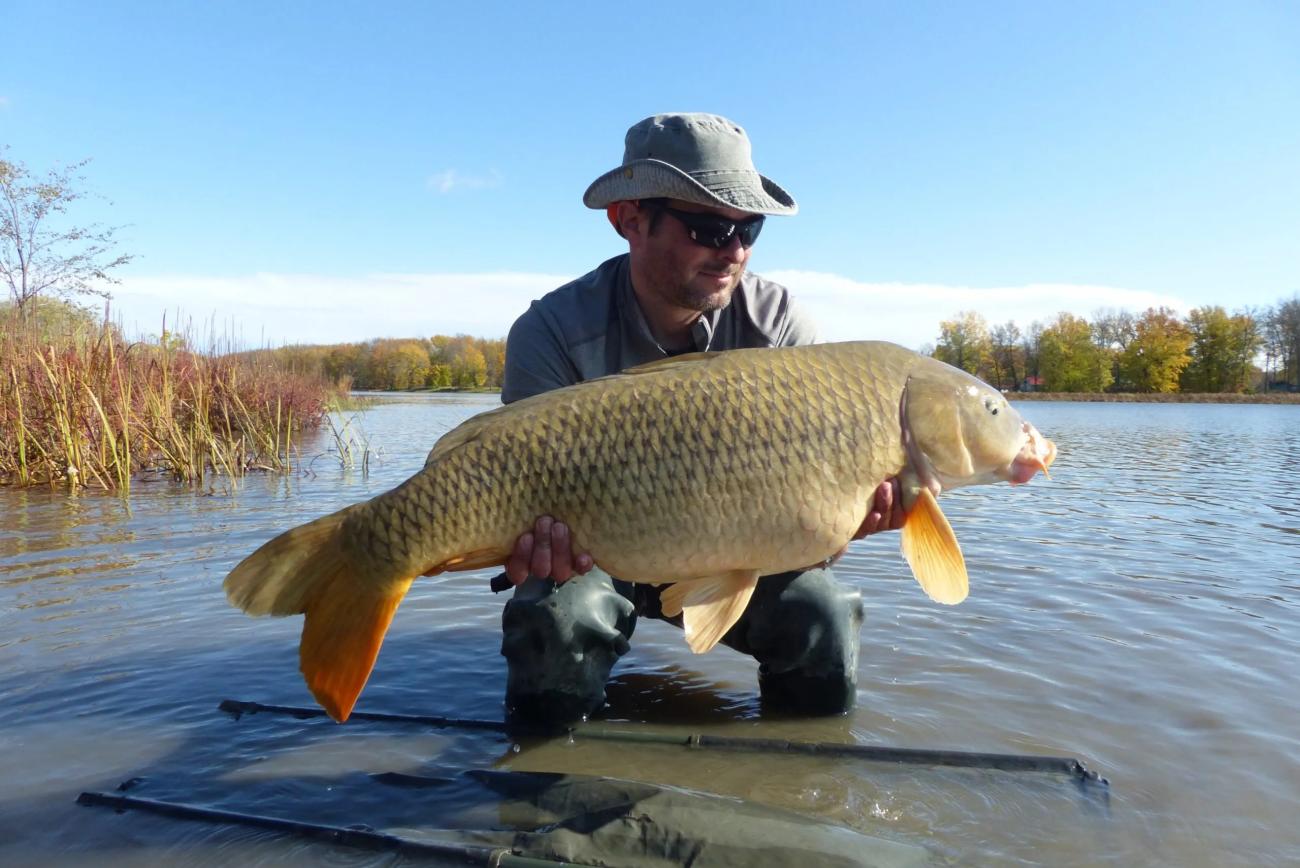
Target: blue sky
{"x": 323, "y": 172}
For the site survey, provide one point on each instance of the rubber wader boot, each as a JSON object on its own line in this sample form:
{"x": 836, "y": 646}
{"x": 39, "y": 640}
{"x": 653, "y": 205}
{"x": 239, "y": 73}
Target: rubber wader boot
{"x": 802, "y": 627}
{"x": 560, "y": 642}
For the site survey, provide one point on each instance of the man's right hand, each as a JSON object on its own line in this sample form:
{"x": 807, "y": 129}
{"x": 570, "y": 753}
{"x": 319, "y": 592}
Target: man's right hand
{"x": 547, "y": 552}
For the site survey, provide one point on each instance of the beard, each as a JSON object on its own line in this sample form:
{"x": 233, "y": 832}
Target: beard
{"x": 682, "y": 291}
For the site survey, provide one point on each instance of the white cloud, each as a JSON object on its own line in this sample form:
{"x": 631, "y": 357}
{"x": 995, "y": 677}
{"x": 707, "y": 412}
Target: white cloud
{"x": 271, "y": 309}
{"x": 909, "y": 313}
{"x": 451, "y": 179}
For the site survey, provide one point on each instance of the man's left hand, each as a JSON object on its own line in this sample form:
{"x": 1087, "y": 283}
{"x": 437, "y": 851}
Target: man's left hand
{"x": 886, "y": 511}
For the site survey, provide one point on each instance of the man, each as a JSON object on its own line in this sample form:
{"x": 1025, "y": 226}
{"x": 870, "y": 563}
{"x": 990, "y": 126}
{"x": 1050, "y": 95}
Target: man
{"x": 690, "y": 205}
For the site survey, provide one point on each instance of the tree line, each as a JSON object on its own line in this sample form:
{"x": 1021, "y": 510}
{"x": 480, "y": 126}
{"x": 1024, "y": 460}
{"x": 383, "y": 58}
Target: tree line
{"x": 438, "y": 362}
{"x": 1158, "y": 351}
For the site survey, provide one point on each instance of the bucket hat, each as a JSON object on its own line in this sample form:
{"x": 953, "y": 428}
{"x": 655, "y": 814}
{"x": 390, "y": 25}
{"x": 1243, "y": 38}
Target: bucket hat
{"x": 694, "y": 157}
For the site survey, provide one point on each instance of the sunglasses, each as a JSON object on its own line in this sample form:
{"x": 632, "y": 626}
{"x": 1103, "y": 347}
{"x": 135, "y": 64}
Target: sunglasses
{"x": 710, "y": 230}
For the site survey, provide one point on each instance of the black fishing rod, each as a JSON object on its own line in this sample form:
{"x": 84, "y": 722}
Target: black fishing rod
{"x": 362, "y": 838}
{"x": 910, "y": 756}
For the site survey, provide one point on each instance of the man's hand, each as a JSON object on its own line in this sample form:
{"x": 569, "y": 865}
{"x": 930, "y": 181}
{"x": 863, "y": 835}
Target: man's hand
{"x": 546, "y": 551}
{"x": 886, "y": 512}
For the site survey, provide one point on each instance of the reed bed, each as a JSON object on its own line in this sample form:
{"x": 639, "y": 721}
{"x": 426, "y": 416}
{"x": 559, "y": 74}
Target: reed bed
{"x": 82, "y": 406}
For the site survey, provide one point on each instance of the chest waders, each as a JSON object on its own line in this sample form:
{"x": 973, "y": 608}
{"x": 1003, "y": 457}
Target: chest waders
{"x": 560, "y": 642}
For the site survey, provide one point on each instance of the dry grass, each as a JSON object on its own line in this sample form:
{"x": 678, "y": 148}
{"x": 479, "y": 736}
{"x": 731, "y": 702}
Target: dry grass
{"x": 81, "y": 406}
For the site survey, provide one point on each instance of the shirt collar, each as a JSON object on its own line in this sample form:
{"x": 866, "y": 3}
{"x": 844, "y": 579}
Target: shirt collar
{"x": 702, "y": 330}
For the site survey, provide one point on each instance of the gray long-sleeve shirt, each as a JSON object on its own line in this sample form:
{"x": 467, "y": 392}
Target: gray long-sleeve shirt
{"x": 594, "y": 326}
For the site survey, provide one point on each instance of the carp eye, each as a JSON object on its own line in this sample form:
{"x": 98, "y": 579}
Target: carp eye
{"x": 990, "y": 406}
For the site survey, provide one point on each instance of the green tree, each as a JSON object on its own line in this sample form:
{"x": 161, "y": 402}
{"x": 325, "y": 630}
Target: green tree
{"x": 41, "y": 251}
{"x": 1069, "y": 359}
{"x": 1157, "y": 353}
{"x": 964, "y": 343}
{"x": 1222, "y": 351}
{"x": 439, "y": 376}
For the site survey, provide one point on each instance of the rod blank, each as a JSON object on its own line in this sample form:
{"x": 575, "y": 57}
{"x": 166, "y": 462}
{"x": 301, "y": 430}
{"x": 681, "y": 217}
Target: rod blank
{"x": 366, "y": 839}
{"x": 909, "y": 756}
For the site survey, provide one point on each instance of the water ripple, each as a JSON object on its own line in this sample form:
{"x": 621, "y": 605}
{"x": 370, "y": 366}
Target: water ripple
{"x": 1139, "y": 612}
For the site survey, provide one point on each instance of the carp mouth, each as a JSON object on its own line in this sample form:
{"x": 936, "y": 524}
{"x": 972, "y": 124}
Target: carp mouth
{"x": 1036, "y": 454}
{"x": 1033, "y": 453}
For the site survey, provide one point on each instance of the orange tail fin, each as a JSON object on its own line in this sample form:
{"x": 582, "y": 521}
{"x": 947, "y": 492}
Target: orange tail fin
{"x": 309, "y": 570}
{"x": 345, "y": 625}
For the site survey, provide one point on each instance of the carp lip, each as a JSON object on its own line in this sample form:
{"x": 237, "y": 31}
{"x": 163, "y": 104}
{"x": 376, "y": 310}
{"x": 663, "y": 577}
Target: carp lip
{"x": 1037, "y": 454}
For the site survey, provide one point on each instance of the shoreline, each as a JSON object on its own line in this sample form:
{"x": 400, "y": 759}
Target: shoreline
{"x": 1164, "y": 398}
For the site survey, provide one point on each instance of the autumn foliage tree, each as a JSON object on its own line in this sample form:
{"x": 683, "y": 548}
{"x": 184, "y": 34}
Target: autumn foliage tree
{"x": 398, "y": 365}
{"x": 964, "y": 343}
{"x": 1157, "y": 352}
{"x": 1207, "y": 350}
{"x": 464, "y": 360}
{"x": 386, "y": 364}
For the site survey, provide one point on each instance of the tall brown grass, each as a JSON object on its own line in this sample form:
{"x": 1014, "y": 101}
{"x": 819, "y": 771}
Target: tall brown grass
{"x": 79, "y": 405}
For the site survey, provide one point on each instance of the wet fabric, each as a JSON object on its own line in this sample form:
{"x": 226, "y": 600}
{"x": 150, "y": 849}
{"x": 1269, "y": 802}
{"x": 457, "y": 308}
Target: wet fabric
{"x": 605, "y": 821}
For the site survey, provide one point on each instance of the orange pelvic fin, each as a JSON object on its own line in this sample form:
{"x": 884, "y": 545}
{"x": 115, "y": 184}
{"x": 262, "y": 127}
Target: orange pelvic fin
{"x": 709, "y": 605}
{"x": 932, "y": 552}
{"x": 345, "y": 625}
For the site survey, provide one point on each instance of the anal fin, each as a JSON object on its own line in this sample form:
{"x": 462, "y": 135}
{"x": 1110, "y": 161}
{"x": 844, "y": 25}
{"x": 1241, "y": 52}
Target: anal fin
{"x": 709, "y": 606}
{"x": 932, "y": 552}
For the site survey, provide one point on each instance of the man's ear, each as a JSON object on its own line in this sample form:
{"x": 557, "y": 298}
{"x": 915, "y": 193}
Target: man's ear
{"x": 627, "y": 218}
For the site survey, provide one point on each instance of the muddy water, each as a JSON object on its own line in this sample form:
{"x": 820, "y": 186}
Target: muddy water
{"x": 1140, "y": 612}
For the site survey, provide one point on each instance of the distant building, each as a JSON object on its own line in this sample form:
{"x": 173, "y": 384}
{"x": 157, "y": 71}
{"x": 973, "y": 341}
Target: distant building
{"x": 1031, "y": 384}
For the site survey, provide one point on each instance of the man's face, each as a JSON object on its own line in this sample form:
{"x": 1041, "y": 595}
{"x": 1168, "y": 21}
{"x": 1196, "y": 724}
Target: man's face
{"x": 681, "y": 272}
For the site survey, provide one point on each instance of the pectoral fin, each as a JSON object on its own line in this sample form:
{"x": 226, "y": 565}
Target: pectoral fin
{"x": 709, "y": 606}
{"x": 932, "y": 552}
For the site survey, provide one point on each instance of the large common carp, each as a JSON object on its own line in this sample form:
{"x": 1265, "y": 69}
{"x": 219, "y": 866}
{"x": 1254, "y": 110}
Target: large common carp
{"x": 707, "y": 470}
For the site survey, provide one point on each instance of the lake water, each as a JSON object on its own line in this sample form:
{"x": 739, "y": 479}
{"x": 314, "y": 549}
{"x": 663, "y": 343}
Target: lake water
{"x": 1139, "y": 612}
